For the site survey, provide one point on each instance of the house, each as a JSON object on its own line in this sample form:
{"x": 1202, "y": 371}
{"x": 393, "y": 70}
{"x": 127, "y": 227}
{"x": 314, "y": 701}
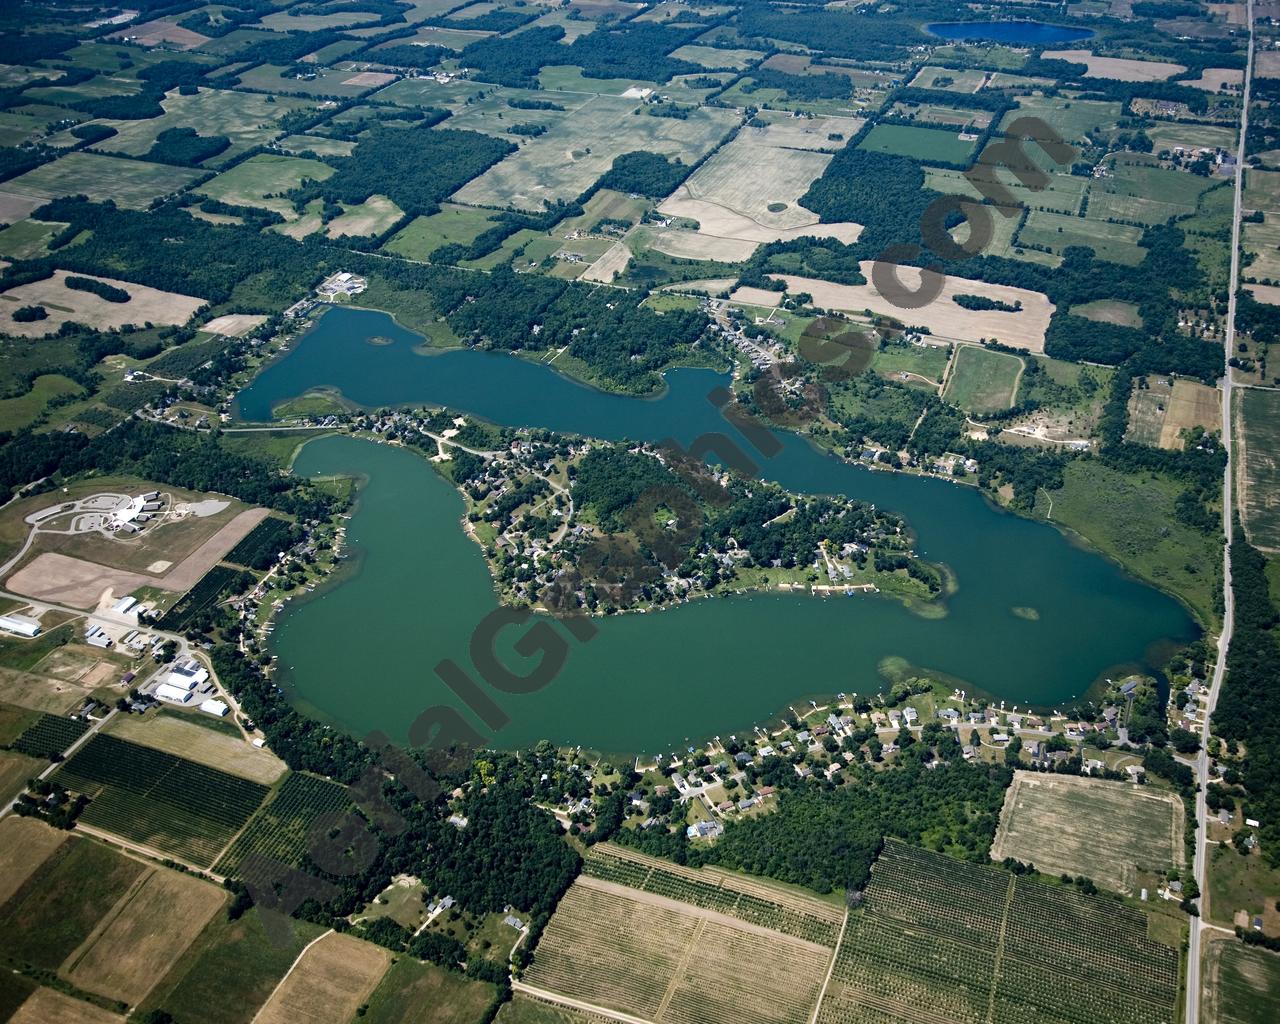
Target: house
{"x": 1135, "y": 772}
{"x": 949, "y": 715}
{"x": 1095, "y": 767}
{"x": 1127, "y": 689}
{"x": 911, "y": 715}
{"x": 705, "y": 830}
{"x": 1224, "y": 816}
{"x": 968, "y": 752}
{"x": 1252, "y": 822}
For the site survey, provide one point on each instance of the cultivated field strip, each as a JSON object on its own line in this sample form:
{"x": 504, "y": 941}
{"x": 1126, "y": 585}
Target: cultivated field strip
{"x": 756, "y": 903}
{"x": 939, "y": 941}
{"x": 280, "y": 829}
{"x": 612, "y": 951}
{"x": 49, "y": 735}
{"x": 672, "y": 962}
{"x": 159, "y": 799}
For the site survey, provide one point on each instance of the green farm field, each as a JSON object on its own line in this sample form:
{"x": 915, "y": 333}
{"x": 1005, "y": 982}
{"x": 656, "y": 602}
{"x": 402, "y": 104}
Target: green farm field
{"x": 983, "y": 380}
{"x": 1070, "y": 118}
{"x": 1058, "y": 231}
{"x": 967, "y": 80}
{"x": 160, "y": 800}
{"x": 27, "y": 239}
{"x": 250, "y": 183}
{"x": 456, "y": 225}
{"x": 130, "y": 183}
{"x": 1137, "y": 191}
{"x": 57, "y": 908}
{"x": 226, "y": 975}
{"x": 247, "y": 119}
{"x": 977, "y": 944}
{"x": 918, "y": 143}
{"x": 1063, "y": 193}
{"x": 1258, "y": 476}
{"x": 913, "y": 361}
{"x": 1241, "y": 985}
{"x": 21, "y": 411}
{"x": 416, "y": 993}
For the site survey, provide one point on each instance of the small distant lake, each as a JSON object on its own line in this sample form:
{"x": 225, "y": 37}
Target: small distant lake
{"x": 1017, "y": 32}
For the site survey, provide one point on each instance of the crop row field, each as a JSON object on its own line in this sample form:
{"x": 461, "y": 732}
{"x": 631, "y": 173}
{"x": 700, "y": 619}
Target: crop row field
{"x": 710, "y": 889}
{"x": 217, "y": 582}
{"x": 160, "y": 800}
{"x": 49, "y": 735}
{"x": 1259, "y": 472}
{"x": 940, "y": 941}
{"x": 670, "y": 962}
{"x": 260, "y": 547}
{"x": 280, "y": 830}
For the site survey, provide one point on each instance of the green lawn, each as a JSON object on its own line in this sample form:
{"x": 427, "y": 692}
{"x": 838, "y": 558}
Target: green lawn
{"x": 983, "y": 380}
{"x": 924, "y": 360}
{"x": 918, "y": 143}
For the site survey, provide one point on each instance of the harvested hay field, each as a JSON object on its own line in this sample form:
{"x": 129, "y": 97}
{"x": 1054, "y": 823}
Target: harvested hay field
{"x": 145, "y": 305}
{"x": 1110, "y": 311}
{"x": 234, "y": 325}
{"x": 328, "y": 983}
{"x": 653, "y": 957}
{"x": 695, "y": 245}
{"x": 1216, "y": 79}
{"x": 73, "y": 581}
{"x": 25, "y": 844}
{"x": 174, "y": 734}
{"x": 45, "y": 1006}
{"x": 1122, "y": 69}
{"x": 151, "y": 927}
{"x": 1159, "y": 413}
{"x": 1268, "y": 293}
{"x": 41, "y": 692}
{"x": 821, "y": 133}
{"x": 944, "y": 318}
{"x": 1103, "y": 830}
{"x": 155, "y": 33}
{"x": 1258, "y": 460}
{"x": 374, "y": 216}
{"x": 608, "y": 266}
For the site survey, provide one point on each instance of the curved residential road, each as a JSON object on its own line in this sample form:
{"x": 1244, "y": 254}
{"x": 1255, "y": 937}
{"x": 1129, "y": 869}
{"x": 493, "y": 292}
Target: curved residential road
{"x": 1194, "y": 951}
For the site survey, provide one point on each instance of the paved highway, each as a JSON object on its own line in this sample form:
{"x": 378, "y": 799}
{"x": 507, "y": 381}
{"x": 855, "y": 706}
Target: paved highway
{"x": 1192, "y": 1015}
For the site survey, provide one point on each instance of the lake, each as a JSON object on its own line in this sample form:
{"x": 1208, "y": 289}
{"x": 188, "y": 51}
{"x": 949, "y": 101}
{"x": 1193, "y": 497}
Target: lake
{"x": 1017, "y": 33}
{"x": 361, "y": 652}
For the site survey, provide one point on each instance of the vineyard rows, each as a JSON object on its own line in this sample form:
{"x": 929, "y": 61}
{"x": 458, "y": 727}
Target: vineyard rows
{"x": 280, "y": 830}
{"x": 217, "y": 581}
{"x": 161, "y": 800}
{"x": 941, "y": 940}
{"x": 259, "y": 547}
{"x": 791, "y": 914}
{"x": 50, "y": 735}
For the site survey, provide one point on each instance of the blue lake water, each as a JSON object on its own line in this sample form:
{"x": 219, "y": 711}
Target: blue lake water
{"x": 362, "y": 652}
